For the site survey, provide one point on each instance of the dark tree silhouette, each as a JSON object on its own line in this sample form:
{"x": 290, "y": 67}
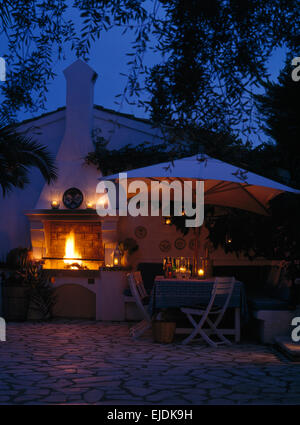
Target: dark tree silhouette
{"x": 216, "y": 55}
{"x": 280, "y": 108}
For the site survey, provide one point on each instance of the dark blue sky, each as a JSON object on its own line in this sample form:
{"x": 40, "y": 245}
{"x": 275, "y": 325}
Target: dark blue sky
{"x": 108, "y": 58}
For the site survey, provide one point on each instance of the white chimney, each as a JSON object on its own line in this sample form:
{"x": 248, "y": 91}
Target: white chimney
{"x": 76, "y": 142}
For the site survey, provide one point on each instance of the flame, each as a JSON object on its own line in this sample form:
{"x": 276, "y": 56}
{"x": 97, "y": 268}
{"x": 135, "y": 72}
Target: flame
{"x": 200, "y": 272}
{"x": 70, "y": 251}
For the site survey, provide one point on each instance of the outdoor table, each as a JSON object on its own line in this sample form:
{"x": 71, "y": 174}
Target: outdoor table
{"x": 176, "y": 293}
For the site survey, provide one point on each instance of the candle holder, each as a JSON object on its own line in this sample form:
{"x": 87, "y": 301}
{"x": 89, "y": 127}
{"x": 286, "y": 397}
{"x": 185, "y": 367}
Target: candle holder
{"x": 204, "y": 268}
{"x": 55, "y": 204}
{"x": 89, "y": 206}
{"x": 117, "y": 257}
{"x": 168, "y": 221}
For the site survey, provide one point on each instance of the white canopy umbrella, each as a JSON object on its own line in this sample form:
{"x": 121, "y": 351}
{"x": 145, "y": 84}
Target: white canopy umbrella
{"x": 224, "y": 184}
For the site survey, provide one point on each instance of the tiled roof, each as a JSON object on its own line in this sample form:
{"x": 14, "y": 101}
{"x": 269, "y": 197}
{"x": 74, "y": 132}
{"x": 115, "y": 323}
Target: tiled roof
{"x": 98, "y": 107}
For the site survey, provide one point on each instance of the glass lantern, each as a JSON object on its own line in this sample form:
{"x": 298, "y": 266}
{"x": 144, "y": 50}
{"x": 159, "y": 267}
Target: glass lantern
{"x": 201, "y": 268}
{"x": 117, "y": 257}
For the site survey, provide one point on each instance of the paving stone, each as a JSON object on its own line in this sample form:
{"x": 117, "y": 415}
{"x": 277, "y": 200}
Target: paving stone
{"x": 55, "y": 398}
{"x": 194, "y": 399}
{"x": 140, "y": 391}
{"x": 159, "y": 396}
{"x": 240, "y": 397}
{"x": 93, "y": 396}
{"x": 220, "y": 392}
{"x": 23, "y": 398}
{"x": 219, "y": 401}
{"x": 273, "y": 390}
{"x": 85, "y": 362}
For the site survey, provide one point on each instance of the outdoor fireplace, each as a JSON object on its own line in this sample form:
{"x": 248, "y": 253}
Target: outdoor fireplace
{"x": 67, "y": 240}
{"x": 70, "y": 244}
{"x": 73, "y": 246}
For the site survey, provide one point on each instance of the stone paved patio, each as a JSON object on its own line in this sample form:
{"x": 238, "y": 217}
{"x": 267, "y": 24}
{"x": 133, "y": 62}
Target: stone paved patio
{"x": 93, "y": 363}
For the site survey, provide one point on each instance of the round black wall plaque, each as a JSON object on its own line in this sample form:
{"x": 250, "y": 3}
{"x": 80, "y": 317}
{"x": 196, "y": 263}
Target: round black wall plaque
{"x": 72, "y": 198}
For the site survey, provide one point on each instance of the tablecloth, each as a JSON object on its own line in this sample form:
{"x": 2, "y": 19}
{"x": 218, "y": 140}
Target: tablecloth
{"x": 172, "y": 293}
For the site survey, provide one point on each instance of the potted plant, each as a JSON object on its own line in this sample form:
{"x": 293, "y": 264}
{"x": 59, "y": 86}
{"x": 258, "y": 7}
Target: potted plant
{"x": 15, "y": 293}
{"x": 127, "y": 248}
{"x": 27, "y": 293}
{"x": 41, "y": 293}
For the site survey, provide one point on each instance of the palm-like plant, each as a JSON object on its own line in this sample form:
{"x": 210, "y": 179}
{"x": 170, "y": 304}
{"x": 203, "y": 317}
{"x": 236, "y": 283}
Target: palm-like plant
{"x": 18, "y": 154}
{"x": 41, "y": 293}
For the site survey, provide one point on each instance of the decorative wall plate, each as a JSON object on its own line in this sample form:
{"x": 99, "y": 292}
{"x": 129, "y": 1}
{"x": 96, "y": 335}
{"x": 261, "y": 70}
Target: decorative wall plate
{"x": 192, "y": 244}
{"x": 165, "y": 246}
{"x": 72, "y": 198}
{"x": 140, "y": 232}
{"x": 180, "y": 243}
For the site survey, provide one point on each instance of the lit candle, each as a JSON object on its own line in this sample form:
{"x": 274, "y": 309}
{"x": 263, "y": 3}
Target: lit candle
{"x": 103, "y": 202}
{"x": 117, "y": 257}
{"x": 54, "y": 204}
{"x": 168, "y": 221}
{"x": 89, "y": 205}
{"x": 201, "y": 272}
{"x": 183, "y": 269}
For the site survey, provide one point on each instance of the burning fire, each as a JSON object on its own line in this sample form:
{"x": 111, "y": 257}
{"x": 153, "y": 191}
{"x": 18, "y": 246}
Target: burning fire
{"x": 71, "y": 254}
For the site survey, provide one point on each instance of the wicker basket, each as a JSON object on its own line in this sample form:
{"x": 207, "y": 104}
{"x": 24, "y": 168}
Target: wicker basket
{"x": 163, "y": 331}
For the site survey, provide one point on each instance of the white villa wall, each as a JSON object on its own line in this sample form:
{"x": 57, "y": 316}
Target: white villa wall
{"x": 121, "y": 131}
{"x": 157, "y": 231}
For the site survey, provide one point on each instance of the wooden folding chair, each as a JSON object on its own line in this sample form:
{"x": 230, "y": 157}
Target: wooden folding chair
{"x": 222, "y": 286}
{"x": 139, "y": 293}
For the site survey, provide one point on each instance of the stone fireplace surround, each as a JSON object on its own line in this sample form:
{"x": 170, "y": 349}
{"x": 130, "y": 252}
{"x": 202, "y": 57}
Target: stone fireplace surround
{"x": 101, "y": 294}
{"x": 49, "y": 229}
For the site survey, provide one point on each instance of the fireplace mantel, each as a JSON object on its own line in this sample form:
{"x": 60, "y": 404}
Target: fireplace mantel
{"x": 56, "y": 215}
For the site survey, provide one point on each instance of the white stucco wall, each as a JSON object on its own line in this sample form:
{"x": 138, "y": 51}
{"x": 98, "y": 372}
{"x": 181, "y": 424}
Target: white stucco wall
{"x": 157, "y": 231}
{"x": 121, "y": 131}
